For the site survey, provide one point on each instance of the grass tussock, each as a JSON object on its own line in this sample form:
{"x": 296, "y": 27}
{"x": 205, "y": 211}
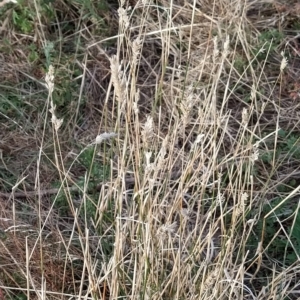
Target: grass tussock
{"x": 149, "y": 150}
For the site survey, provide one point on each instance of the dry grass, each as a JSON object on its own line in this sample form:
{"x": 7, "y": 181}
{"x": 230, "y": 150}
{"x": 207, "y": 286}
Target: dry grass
{"x": 177, "y": 118}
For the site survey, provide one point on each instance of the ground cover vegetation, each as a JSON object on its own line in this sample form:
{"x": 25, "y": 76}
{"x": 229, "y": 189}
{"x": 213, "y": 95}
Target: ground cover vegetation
{"x": 149, "y": 149}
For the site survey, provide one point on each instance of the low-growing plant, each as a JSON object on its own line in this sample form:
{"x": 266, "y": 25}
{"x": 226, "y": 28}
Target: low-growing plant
{"x": 287, "y": 147}
{"x": 279, "y": 232}
{"x": 24, "y": 15}
{"x": 93, "y": 174}
{"x": 268, "y": 42}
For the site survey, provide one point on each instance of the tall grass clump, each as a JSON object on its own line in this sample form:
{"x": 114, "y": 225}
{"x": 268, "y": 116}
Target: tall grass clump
{"x": 170, "y": 171}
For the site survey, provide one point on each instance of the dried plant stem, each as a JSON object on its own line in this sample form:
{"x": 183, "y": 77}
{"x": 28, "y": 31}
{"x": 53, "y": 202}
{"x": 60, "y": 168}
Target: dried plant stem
{"x": 53, "y": 191}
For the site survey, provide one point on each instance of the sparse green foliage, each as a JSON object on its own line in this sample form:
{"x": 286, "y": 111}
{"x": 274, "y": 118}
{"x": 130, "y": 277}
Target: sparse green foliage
{"x": 268, "y": 42}
{"x": 279, "y": 232}
{"x": 94, "y": 174}
{"x": 287, "y": 146}
{"x": 23, "y": 19}
{"x": 24, "y": 15}
{"x": 96, "y": 170}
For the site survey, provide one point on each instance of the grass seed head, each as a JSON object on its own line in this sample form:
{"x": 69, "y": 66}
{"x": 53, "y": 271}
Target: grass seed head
{"x": 148, "y": 131}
